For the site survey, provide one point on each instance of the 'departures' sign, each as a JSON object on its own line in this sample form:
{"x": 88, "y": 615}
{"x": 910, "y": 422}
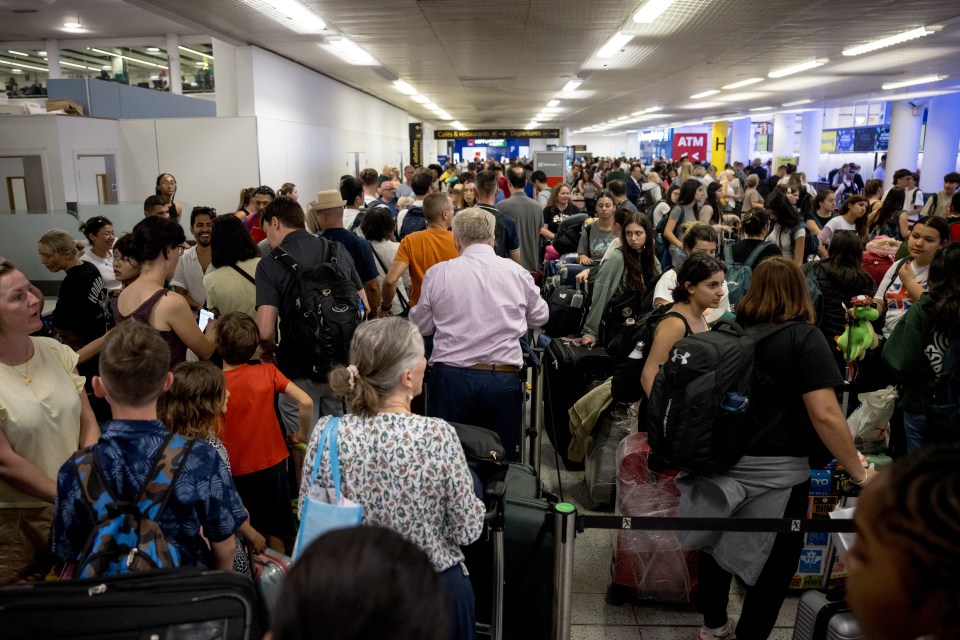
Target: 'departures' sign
{"x": 454, "y": 134}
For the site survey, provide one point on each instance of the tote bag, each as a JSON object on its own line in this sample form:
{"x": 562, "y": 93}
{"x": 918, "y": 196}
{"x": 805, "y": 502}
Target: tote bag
{"x": 324, "y": 509}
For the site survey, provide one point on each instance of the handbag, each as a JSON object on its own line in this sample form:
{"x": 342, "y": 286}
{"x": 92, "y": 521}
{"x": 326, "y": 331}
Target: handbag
{"x": 324, "y": 508}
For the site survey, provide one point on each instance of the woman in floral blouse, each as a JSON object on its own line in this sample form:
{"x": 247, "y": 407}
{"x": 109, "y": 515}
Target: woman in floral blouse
{"x": 408, "y": 471}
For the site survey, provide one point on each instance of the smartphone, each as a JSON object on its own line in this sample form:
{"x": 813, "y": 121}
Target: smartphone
{"x": 205, "y": 317}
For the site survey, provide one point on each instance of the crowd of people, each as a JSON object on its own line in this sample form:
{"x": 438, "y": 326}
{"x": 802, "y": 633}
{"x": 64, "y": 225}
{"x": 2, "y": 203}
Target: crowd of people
{"x": 153, "y": 336}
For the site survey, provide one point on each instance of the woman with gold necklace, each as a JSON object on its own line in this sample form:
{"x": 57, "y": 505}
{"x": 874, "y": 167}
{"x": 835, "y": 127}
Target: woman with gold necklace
{"x": 44, "y": 418}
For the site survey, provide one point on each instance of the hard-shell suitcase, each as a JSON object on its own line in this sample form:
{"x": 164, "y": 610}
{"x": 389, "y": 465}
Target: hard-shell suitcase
{"x": 167, "y": 604}
{"x": 568, "y": 370}
{"x": 270, "y": 569}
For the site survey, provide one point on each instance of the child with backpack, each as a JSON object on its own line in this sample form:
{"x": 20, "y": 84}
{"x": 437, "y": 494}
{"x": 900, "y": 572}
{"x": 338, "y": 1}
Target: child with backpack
{"x": 166, "y": 486}
{"x": 923, "y": 353}
{"x": 193, "y": 407}
{"x": 252, "y": 433}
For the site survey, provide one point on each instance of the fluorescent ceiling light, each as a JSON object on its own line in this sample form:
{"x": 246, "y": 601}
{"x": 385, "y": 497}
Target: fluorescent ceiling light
{"x": 430, "y": 106}
{"x": 889, "y": 41}
{"x": 289, "y": 13}
{"x": 18, "y": 53}
{"x": 743, "y": 83}
{"x": 651, "y": 10}
{"x": 193, "y": 51}
{"x": 403, "y": 87}
{"x": 77, "y": 66}
{"x": 120, "y": 55}
{"x": 652, "y": 109}
{"x": 761, "y": 108}
{"x": 348, "y": 51}
{"x": 797, "y": 68}
{"x": 571, "y": 86}
{"x": 42, "y": 54}
{"x": 73, "y": 24}
{"x": 910, "y": 83}
{"x": 199, "y": 63}
{"x": 106, "y": 66}
{"x": 533, "y": 124}
{"x": 622, "y": 118}
{"x": 24, "y": 66}
{"x": 704, "y": 94}
{"x": 552, "y": 109}
{"x": 419, "y": 98}
{"x": 553, "y": 103}
{"x": 153, "y": 49}
{"x": 614, "y": 44}
{"x": 456, "y": 124}
{"x": 443, "y": 115}
{"x": 797, "y": 102}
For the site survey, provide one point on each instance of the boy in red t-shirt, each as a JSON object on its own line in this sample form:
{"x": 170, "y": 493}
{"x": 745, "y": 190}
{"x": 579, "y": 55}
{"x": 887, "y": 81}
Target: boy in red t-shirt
{"x": 252, "y": 434}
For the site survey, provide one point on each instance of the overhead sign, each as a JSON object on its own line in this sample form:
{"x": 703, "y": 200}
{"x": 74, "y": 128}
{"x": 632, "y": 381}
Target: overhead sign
{"x": 655, "y": 135}
{"x": 487, "y": 142}
{"x": 828, "y": 142}
{"x": 552, "y": 163}
{"x": 454, "y": 134}
{"x": 416, "y": 144}
{"x": 692, "y": 145}
{"x": 579, "y": 147}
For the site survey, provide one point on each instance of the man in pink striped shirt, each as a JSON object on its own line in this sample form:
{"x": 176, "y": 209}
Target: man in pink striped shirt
{"x": 477, "y": 307}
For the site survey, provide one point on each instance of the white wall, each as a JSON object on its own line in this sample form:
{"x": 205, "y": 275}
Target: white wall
{"x": 306, "y": 130}
{"x": 8, "y": 167}
{"x": 37, "y": 135}
{"x": 598, "y": 144}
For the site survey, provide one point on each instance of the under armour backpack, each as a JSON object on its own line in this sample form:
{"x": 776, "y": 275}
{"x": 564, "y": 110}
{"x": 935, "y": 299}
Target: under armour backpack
{"x": 630, "y": 350}
{"x": 699, "y": 414}
{"x": 413, "y": 220}
{"x": 126, "y": 536}
{"x": 322, "y": 313}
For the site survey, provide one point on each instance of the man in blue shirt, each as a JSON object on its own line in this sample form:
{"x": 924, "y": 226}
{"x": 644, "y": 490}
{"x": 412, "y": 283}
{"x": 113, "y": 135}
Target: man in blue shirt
{"x": 506, "y": 239}
{"x": 133, "y": 373}
{"x": 329, "y": 215}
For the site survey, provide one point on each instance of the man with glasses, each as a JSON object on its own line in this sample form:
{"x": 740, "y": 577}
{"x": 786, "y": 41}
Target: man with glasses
{"x": 388, "y": 196}
{"x": 196, "y": 261}
{"x": 263, "y": 196}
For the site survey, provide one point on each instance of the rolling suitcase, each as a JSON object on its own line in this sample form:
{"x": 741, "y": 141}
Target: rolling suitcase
{"x": 270, "y": 569}
{"x": 167, "y": 604}
{"x": 568, "y": 370}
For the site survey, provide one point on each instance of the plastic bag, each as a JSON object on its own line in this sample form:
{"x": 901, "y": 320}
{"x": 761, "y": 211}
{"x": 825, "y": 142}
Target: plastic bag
{"x": 600, "y": 464}
{"x": 870, "y": 422}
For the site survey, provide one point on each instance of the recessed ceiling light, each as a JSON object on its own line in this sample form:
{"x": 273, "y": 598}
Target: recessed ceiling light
{"x": 797, "y": 68}
{"x": 889, "y": 41}
{"x": 430, "y": 106}
{"x": 704, "y": 94}
{"x": 910, "y": 83}
{"x": 614, "y": 44}
{"x": 761, "y": 109}
{"x": 199, "y": 64}
{"x": 106, "y": 66}
{"x": 552, "y": 109}
{"x": 572, "y": 85}
{"x": 651, "y": 10}
{"x": 420, "y": 99}
{"x": 456, "y": 124}
{"x": 348, "y": 51}
{"x": 652, "y": 109}
{"x": 403, "y": 87}
{"x": 153, "y": 49}
{"x": 42, "y": 54}
{"x": 797, "y": 102}
{"x": 73, "y": 24}
{"x": 532, "y": 125}
{"x": 553, "y": 103}
{"x": 16, "y": 71}
{"x": 742, "y": 83}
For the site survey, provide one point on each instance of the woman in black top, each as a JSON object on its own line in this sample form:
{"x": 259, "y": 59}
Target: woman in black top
{"x": 754, "y": 225}
{"x": 798, "y": 402}
{"x": 840, "y": 277}
{"x": 559, "y": 206}
{"x": 167, "y": 189}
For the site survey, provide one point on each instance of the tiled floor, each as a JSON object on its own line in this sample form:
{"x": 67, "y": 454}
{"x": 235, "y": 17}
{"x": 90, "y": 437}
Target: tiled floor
{"x": 593, "y": 618}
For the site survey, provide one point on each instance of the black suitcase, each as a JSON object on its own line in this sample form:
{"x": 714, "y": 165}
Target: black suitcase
{"x": 566, "y": 305}
{"x": 164, "y": 605}
{"x": 568, "y": 371}
{"x": 527, "y": 560}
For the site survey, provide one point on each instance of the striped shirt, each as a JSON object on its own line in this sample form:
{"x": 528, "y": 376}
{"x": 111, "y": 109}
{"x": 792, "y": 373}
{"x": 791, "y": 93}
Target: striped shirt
{"x": 477, "y": 307}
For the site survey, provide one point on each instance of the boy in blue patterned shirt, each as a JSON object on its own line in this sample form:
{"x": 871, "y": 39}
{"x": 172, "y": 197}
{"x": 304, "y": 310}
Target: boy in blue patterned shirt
{"x": 133, "y": 373}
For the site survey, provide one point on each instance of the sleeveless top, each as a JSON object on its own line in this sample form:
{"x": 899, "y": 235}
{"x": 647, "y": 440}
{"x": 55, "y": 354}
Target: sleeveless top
{"x": 178, "y": 350}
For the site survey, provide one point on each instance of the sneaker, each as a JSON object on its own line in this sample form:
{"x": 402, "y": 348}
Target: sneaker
{"x": 726, "y": 632}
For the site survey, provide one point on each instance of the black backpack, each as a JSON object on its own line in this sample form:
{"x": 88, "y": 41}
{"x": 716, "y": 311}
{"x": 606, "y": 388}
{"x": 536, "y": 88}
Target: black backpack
{"x": 566, "y": 305}
{"x": 943, "y": 407}
{"x": 500, "y": 235}
{"x": 413, "y": 220}
{"x": 699, "y": 414}
{"x": 660, "y": 242}
{"x": 630, "y": 350}
{"x": 646, "y": 202}
{"x": 323, "y": 314}
{"x": 567, "y": 238}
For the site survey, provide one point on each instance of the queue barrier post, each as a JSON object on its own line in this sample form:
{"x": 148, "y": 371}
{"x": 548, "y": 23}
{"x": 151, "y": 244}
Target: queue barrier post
{"x": 564, "y": 533}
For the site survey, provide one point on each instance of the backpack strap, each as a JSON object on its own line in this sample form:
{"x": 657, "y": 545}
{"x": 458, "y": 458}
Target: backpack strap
{"x": 286, "y": 260}
{"x": 244, "y": 274}
{"x": 95, "y": 489}
{"x": 752, "y": 258}
{"x": 677, "y": 314}
{"x": 159, "y": 482}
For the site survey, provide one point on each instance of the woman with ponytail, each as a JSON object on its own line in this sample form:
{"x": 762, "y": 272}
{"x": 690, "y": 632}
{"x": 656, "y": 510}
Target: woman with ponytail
{"x": 408, "y": 471}
{"x": 924, "y": 349}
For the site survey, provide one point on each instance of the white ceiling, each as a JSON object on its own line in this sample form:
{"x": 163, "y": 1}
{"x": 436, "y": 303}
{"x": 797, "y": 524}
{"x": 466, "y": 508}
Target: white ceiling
{"x": 496, "y": 63}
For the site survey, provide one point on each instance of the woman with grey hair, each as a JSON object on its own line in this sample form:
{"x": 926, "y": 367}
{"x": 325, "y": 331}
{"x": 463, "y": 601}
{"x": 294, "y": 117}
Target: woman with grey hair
{"x": 408, "y": 471}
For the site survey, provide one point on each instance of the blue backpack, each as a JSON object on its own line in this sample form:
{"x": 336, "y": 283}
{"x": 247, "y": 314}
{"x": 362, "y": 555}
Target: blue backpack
{"x": 413, "y": 220}
{"x": 126, "y": 536}
{"x": 740, "y": 275}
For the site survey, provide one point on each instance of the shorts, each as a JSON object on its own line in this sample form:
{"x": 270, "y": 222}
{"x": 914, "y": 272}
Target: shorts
{"x": 266, "y": 496}
{"x": 24, "y": 542}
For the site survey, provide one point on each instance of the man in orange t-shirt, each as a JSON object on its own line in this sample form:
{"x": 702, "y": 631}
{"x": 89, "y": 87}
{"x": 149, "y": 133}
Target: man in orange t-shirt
{"x": 421, "y": 250}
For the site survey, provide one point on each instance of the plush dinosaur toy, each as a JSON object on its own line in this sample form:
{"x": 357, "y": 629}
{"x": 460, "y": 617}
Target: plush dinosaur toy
{"x": 859, "y": 336}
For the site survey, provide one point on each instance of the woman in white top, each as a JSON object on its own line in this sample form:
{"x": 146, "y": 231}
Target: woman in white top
{"x": 853, "y": 217}
{"x": 44, "y": 418}
{"x": 99, "y": 233}
{"x": 906, "y": 279}
{"x": 377, "y": 228}
{"x": 664, "y": 206}
{"x": 788, "y": 233}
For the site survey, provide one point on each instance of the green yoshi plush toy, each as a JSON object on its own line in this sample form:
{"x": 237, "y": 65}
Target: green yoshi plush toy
{"x": 859, "y": 336}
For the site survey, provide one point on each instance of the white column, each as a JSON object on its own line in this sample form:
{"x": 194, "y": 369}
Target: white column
{"x": 940, "y": 142}
{"x": 117, "y": 63}
{"x": 811, "y": 128}
{"x": 225, "y": 76}
{"x": 173, "y": 61}
{"x": 740, "y": 145}
{"x": 904, "y": 150}
{"x": 784, "y": 129}
{"x": 52, "y": 48}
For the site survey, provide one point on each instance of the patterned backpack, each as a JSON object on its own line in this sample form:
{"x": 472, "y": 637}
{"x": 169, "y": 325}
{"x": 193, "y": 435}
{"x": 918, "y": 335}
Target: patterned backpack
{"x": 127, "y": 537}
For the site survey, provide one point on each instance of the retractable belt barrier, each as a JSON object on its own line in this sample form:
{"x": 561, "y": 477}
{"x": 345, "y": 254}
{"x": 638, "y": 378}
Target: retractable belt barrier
{"x": 567, "y": 523}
